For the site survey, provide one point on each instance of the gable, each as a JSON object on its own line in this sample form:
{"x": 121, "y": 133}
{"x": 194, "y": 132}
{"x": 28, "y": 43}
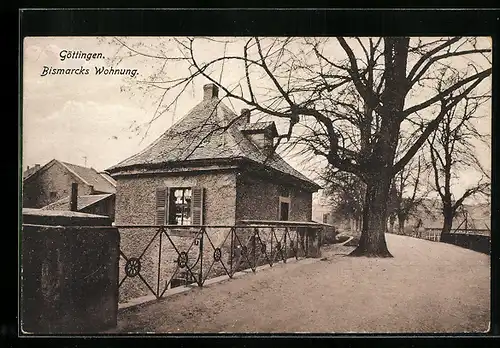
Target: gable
{"x": 90, "y": 177}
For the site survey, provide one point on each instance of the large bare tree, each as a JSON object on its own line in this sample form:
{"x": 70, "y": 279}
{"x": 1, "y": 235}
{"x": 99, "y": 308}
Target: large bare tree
{"x": 452, "y": 149}
{"x": 350, "y": 101}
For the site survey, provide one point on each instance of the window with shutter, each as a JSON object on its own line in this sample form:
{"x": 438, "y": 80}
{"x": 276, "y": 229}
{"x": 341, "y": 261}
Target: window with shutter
{"x": 162, "y": 205}
{"x": 197, "y": 205}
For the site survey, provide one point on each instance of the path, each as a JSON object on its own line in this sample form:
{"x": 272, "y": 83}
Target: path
{"x": 427, "y": 287}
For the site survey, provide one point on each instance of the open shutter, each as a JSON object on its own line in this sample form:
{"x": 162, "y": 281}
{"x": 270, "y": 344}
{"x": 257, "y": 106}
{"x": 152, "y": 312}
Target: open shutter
{"x": 162, "y": 201}
{"x": 197, "y": 198}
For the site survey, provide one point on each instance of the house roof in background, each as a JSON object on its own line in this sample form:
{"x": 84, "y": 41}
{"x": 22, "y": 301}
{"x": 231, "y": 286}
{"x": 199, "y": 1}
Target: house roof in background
{"x": 82, "y": 202}
{"x": 202, "y": 135}
{"x": 91, "y": 177}
{"x": 101, "y": 182}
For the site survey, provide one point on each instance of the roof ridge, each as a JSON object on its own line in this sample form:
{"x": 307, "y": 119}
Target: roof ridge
{"x": 44, "y": 167}
{"x": 232, "y": 128}
{"x": 107, "y": 178}
{"x": 59, "y": 201}
{"x": 65, "y": 165}
{"x": 98, "y": 195}
{"x": 168, "y": 130}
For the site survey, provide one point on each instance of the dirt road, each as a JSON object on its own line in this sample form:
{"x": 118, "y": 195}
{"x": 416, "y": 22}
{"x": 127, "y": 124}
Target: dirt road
{"x": 427, "y": 287}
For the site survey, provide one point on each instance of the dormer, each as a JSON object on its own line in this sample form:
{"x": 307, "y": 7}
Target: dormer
{"x": 262, "y": 134}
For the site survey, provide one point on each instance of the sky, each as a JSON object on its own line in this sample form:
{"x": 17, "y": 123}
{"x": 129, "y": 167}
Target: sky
{"x": 92, "y": 119}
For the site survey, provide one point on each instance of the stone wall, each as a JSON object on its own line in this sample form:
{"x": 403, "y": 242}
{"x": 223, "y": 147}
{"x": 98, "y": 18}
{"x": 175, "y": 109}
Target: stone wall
{"x": 477, "y": 243}
{"x": 36, "y": 190}
{"x": 69, "y": 272}
{"x": 136, "y": 205}
{"x": 258, "y": 199}
{"x": 228, "y": 198}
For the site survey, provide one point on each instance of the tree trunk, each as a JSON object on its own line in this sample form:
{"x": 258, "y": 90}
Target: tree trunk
{"x": 401, "y": 223}
{"x": 448, "y": 221}
{"x": 372, "y": 242}
{"x": 392, "y": 220}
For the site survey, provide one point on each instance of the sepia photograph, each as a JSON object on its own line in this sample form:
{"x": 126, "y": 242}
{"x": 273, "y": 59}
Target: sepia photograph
{"x": 192, "y": 184}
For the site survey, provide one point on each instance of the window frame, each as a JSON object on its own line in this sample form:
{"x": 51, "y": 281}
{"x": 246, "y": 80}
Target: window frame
{"x": 166, "y": 207}
{"x": 173, "y": 208}
{"x": 287, "y": 200}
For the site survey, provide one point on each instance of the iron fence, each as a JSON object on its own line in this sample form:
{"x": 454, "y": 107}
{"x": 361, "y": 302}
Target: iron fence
{"x": 155, "y": 258}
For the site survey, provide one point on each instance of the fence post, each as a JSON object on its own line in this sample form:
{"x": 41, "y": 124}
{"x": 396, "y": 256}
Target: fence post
{"x": 231, "y": 253}
{"x": 200, "y": 275}
{"x": 253, "y": 250}
{"x": 307, "y": 230}
{"x": 284, "y": 238}
{"x": 272, "y": 256}
{"x": 466, "y": 215}
{"x": 159, "y": 267}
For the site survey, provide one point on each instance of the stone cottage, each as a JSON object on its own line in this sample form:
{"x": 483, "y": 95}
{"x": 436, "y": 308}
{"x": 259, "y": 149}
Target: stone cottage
{"x": 212, "y": 167}
{"x": 52, "y": 182}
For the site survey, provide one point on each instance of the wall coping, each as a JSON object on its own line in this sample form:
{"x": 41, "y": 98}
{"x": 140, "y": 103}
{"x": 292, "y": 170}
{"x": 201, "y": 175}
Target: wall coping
{"x": 63, "y": 218}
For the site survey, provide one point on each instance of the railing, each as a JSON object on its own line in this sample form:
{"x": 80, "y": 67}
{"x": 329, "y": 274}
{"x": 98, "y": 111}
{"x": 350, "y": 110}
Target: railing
{"x": 154, "y": 258}
{"x": 477, "y": 239}
{"x": 432, "y": 234}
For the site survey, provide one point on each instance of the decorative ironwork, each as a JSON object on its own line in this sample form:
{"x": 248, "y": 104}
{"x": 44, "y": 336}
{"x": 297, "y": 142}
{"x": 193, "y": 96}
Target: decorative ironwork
{"x": 217, "y": 254}
{"x": 240, "y": 253}
{"x": 132, "y": 267}
{"x": 182, "y": 259}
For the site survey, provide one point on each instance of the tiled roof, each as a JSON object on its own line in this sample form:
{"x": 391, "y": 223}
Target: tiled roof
{"x": 199, "y": 136}
{"x": 259, "y": 126}
{"x": 92, "y": 177}
{"x": 82, "y": 202}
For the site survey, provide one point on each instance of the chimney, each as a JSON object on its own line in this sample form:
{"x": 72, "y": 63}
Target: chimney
{"x": 74, "y": 197}
{"x": 37, "y": 166}
{"x": 210, "y": 91}
{"x": 245, "y": 116}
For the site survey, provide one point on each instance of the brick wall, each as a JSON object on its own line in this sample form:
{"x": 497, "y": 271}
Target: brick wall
{"x": 36, "y": 191}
